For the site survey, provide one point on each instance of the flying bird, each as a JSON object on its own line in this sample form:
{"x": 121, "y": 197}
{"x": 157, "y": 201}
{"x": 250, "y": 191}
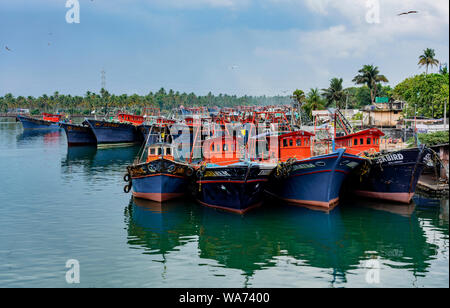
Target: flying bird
{"x": 6, "y": 47}
{"x": 233, "y": 67}
{"x": 406, "y": 13}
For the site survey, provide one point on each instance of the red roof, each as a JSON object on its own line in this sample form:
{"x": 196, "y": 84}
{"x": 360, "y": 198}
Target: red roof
{"x": 296, "y": 133}
{"x": 370, "y": 131}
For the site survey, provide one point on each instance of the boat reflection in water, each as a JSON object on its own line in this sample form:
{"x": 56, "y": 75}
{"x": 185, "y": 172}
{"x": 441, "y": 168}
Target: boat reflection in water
{"x": 159, "y": 227}
{"x": 93, "y": 160}
{"x": 45, "y": 136}
{"x": 334, "y": 243}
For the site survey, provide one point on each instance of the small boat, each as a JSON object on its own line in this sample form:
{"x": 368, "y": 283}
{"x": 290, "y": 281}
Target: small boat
{"x": 226, "y": 180}
{"x": 120, "y": 132}
{"x": 48, "y": 121}
{"x": 160, "y": 177}
{"x": 79, "y": 134}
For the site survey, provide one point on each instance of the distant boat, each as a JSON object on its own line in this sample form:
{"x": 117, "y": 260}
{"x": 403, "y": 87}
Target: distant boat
{"x": 79, "y": 134}
{"x": 48, "y": 121}
{"x": 120, "y": 132}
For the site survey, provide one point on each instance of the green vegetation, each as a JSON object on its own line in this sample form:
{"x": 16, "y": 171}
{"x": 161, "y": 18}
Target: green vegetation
{"x": 133, "y": 103}
{"x": 334, "y": 94}
{"x": 370, "y": 76}
{"x": 426, "y": 93}
{"x": 428, "y": 59}
{"x": 430, "y": 139}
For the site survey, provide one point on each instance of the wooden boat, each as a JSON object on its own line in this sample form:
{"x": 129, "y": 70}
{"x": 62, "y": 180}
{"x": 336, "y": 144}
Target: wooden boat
{"x": 390, "y": 176}
{"x": 78, "y": 135}
{"x": 120, "y": 132}
{"x": 312, "y": 181}
{"x": 48, "y": 121}
{"x": 227, "y": 180}
{"x": 161, "y": 176}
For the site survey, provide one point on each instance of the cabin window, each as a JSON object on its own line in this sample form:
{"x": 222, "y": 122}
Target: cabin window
{"x": 355, "y": 141}
{"x": 159, "y": 151}
{"x": 361, "y": 141}
{"x": 212, "y": 148}
{"x": 225, "y": 147}
{"x": 299, "y": 142}
{"x": 168, "y": 151}
{"x": 152, "y": 151}
{"x": 284, "y": 142}
{"x": 368, "y": 140}
{"x": 291, "y": 142}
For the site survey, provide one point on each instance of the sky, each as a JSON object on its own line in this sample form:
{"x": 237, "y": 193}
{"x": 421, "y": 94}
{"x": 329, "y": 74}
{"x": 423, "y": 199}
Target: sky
{"x": 241, "y": 47}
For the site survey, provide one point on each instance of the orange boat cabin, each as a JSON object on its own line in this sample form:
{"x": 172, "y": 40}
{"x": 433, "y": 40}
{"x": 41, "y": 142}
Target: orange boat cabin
{"x": 160, "y": 150}
{"x": 363, "y": 141}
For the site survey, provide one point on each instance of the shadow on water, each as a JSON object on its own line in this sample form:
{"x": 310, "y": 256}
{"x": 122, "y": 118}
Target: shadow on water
{"x": 338, "y": 240}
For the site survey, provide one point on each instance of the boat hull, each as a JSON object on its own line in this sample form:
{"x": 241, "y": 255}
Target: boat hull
{"x": 112, "y": 133}
{"x": 30, "y": 123}
{"x": 78, "y": 135}
{"x": 159, "y": 181}
{"x": 316, "y": 181}
{"x": 235, "y": 189}
{"x": 392, "y": 177}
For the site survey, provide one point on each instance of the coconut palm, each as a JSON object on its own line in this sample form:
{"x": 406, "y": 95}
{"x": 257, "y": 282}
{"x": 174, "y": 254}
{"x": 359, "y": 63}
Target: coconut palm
{"x": 334, "y": 94}
{"x": 370, "y": 76}
{"x": 427, "y": 59}
{"x": 299, "y": 97}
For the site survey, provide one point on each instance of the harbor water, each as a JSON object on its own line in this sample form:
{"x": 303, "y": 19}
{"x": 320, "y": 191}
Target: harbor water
{"x": 59, "y": 204}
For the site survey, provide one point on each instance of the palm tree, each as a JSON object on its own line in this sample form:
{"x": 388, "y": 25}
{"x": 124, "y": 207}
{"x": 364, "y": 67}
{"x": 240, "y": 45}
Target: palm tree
{"x": 334, "y": 93}
{"x": 370, "y": 76}
{"x": 427, "y": 59}
{"x": 299, "y": 96}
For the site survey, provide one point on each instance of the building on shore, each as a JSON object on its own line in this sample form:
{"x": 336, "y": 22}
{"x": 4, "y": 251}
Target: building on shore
{"x": 383, "y": 114}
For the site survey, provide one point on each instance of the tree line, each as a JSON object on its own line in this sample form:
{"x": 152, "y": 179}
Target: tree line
{"x": 424, "y": 93}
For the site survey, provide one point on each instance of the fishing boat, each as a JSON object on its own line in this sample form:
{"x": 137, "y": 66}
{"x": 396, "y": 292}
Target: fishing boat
{"x": 227, "y": 180}
{"x": 160, "y": 177}
{"x": 48, "y": 121}
{"x": 78, "y": 135}
{"x": 391, "y": 176}
{"x": 121, "y": 131}
{"x": 312, "y": 181}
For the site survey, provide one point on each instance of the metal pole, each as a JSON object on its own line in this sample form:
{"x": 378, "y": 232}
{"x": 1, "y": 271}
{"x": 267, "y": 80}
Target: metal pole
{"x": 445, "y": 114}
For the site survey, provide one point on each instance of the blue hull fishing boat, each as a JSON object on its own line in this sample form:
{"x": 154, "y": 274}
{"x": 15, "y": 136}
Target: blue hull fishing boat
{"x": 79, "y": 134}
{"x": 236, "y": 188}
{"x": 40, "y": 124}
{"x": 160, "y": 178}
{"x": 314, "y": 181}
{"x": 159, "y": 181}
{"x": 114, "y": 133}
{"x": 391, "y": 176}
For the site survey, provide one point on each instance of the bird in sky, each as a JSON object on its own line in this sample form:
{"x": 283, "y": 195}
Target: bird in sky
{"x": 406, "y": 13}
{"x": 233, "y": 67}
{"x": 6, "y": 47}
